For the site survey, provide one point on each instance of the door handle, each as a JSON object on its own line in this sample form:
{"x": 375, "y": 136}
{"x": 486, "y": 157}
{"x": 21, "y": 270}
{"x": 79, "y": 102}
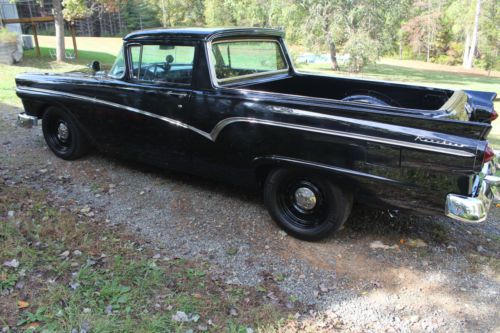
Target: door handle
{"x": 177, "y": 94}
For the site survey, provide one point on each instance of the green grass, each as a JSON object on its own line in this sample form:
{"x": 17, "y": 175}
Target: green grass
{"x": 113, "y": 284}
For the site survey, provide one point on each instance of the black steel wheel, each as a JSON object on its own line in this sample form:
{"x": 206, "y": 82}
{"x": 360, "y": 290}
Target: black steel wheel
{"x": 306, "y": 206}
{"x": 62, "y": 134}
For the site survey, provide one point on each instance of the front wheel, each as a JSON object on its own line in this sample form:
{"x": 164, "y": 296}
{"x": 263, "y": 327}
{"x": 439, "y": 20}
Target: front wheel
{"x": 308, "y": 207}
{"x": 62, "y": 134}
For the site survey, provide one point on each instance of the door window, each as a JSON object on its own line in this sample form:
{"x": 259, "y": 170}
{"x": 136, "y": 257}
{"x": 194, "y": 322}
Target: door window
{"x": 162, "y": 63}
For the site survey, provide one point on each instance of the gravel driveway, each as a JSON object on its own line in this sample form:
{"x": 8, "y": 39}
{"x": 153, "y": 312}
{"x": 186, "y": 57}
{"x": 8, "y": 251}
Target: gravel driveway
{"x": 380, "y": 273}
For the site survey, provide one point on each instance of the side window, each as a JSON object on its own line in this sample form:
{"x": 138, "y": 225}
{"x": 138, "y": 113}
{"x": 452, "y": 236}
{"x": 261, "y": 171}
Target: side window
{"x": 162, "y": 63}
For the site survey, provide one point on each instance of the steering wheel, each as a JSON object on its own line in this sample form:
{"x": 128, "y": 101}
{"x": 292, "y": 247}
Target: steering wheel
{"x": 150, "y": 71}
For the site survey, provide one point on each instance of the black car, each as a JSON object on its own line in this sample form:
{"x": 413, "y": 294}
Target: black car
{"x": 228, "y": 104}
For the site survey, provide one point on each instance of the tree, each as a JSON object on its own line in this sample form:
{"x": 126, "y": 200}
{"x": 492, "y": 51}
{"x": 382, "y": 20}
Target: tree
{"x": 331, "y": 24}
{"x": 470, "y": 53}
{"x": 178, "y": 12}
{"x": 422, "y": 28}
{"x": 59, "y": 27}
{"x": 489, "y": 41}
{"x": 324, "y": 26}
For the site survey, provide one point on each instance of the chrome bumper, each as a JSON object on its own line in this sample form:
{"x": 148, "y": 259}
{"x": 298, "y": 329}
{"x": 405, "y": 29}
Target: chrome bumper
{"x": 487, "y": 188}
{"x": 23, "y": 120}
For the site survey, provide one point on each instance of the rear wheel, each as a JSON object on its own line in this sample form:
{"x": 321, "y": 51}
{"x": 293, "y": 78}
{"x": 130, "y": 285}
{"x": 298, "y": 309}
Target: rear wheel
{"x": 62, "y": 134}
{"x": 307, "y": 206}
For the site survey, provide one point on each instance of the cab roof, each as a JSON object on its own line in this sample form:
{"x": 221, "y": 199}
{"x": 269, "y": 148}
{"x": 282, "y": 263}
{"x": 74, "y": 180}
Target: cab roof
{"x": 200, "y": 33}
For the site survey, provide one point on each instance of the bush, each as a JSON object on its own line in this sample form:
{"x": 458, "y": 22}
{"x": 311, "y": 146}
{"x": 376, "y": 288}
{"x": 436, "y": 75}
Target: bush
{"x": 362, "y": 50}
{"x": 445, "y": 60}
{"x": 6, "y": 36}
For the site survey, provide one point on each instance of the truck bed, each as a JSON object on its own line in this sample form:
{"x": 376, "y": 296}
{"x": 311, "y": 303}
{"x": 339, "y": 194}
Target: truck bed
{"x": 431, "y": 102}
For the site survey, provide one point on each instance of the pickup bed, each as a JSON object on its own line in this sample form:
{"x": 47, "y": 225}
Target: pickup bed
{"x": 228, "y": 104}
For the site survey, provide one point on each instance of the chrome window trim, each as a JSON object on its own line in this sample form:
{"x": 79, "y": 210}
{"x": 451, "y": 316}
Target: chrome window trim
{"x": 211, "y": 61}
{"x": 221, "y": 125}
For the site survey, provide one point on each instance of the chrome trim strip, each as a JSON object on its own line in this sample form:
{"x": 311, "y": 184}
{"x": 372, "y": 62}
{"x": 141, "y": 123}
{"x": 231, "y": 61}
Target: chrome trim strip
{"x": 212, "y": 136}
{"x": 355, "y": 173}
{"x": 223, "y": 123}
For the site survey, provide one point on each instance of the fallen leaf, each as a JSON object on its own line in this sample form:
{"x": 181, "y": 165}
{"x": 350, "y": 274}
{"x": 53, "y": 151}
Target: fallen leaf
{"x": 31, "y": 325}
{"x": 402, "y": 241}
{"x": 22, "y": 304}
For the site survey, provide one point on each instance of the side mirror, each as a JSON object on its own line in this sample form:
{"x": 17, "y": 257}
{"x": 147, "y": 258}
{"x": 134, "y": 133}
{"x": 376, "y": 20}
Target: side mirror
{"x": 96, "y": 66}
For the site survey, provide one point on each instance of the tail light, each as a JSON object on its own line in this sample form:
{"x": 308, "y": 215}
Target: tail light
{"x": 494, "y": 115}
{"x": 489, "y": 153}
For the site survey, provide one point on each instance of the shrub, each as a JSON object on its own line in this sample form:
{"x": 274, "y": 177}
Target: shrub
{"x": 362, "y": 50}
{"x": 7, "y": 36}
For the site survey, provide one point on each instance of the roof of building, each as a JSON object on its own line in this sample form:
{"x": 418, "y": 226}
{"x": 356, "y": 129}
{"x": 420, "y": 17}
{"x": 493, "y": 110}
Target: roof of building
{"x": 200, "y": 33}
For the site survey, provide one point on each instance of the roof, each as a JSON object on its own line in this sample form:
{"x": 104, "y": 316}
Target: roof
{"x": 200, "y": 33}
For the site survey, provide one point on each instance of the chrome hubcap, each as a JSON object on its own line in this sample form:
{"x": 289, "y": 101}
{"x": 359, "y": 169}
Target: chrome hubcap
{"x": 62, "y": 132}
{"x": 305, "y": 198}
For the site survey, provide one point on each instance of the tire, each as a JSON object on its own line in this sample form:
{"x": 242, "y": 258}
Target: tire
{"x": 63, "y": 135}
{"x": 310, "y": 220}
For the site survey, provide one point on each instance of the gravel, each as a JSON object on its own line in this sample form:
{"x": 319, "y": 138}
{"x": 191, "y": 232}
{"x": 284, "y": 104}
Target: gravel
{"x": 380, "y": 273}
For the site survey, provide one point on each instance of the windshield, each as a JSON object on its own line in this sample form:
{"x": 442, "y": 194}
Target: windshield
{"x": 234, "y": 60}
{"x": 118, "y": 69}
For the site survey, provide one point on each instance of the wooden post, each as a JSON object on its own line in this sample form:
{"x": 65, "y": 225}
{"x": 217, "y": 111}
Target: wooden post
{"x": 73, "y": 37}
{"x": 33, "y": 25}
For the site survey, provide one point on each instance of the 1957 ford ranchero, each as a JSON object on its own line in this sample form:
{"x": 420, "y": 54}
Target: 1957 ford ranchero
{"x": 228, "y": 104}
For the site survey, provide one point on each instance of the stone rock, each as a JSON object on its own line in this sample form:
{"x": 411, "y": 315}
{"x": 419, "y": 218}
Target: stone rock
{"x": 233, "y": 312}
{"x": 379, "y": 245}
{"x": 14, "y": 263}
{"x": 180, "y": 316}
{"x": 416, "y": 242}
{"x": 202, "y": 327}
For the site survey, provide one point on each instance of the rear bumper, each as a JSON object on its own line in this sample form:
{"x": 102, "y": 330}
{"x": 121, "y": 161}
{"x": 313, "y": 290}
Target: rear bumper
{"x": 475, "y": 208}
{"x": 23, "y": 120}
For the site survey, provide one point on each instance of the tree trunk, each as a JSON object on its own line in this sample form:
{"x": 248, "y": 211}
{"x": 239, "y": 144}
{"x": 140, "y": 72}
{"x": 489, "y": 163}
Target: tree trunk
{"x": 400, "y": 49}
{"x": 475, "y": 33}
{"x": 120, "y": 21}
{"x": 466, "y": 47}
{"x": 59, "y": 25}
{"x": 164, "y": 13}
{"x": 333, "y": 56}
{"x": 428, "y": 46}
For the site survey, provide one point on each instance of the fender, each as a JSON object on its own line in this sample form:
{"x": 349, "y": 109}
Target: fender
{"x": 266, "y": 162}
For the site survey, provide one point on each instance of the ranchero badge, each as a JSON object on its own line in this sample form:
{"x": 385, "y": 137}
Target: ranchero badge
{"x": 439, "y": 142}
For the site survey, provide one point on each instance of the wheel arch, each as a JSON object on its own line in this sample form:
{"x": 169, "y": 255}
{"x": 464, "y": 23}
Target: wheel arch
{"x": 264, "y": 165}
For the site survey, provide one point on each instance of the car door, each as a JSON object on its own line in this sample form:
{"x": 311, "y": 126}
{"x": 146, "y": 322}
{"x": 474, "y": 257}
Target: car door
{"x": 161, "y": 75}
{"x": 152, "y": 100}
